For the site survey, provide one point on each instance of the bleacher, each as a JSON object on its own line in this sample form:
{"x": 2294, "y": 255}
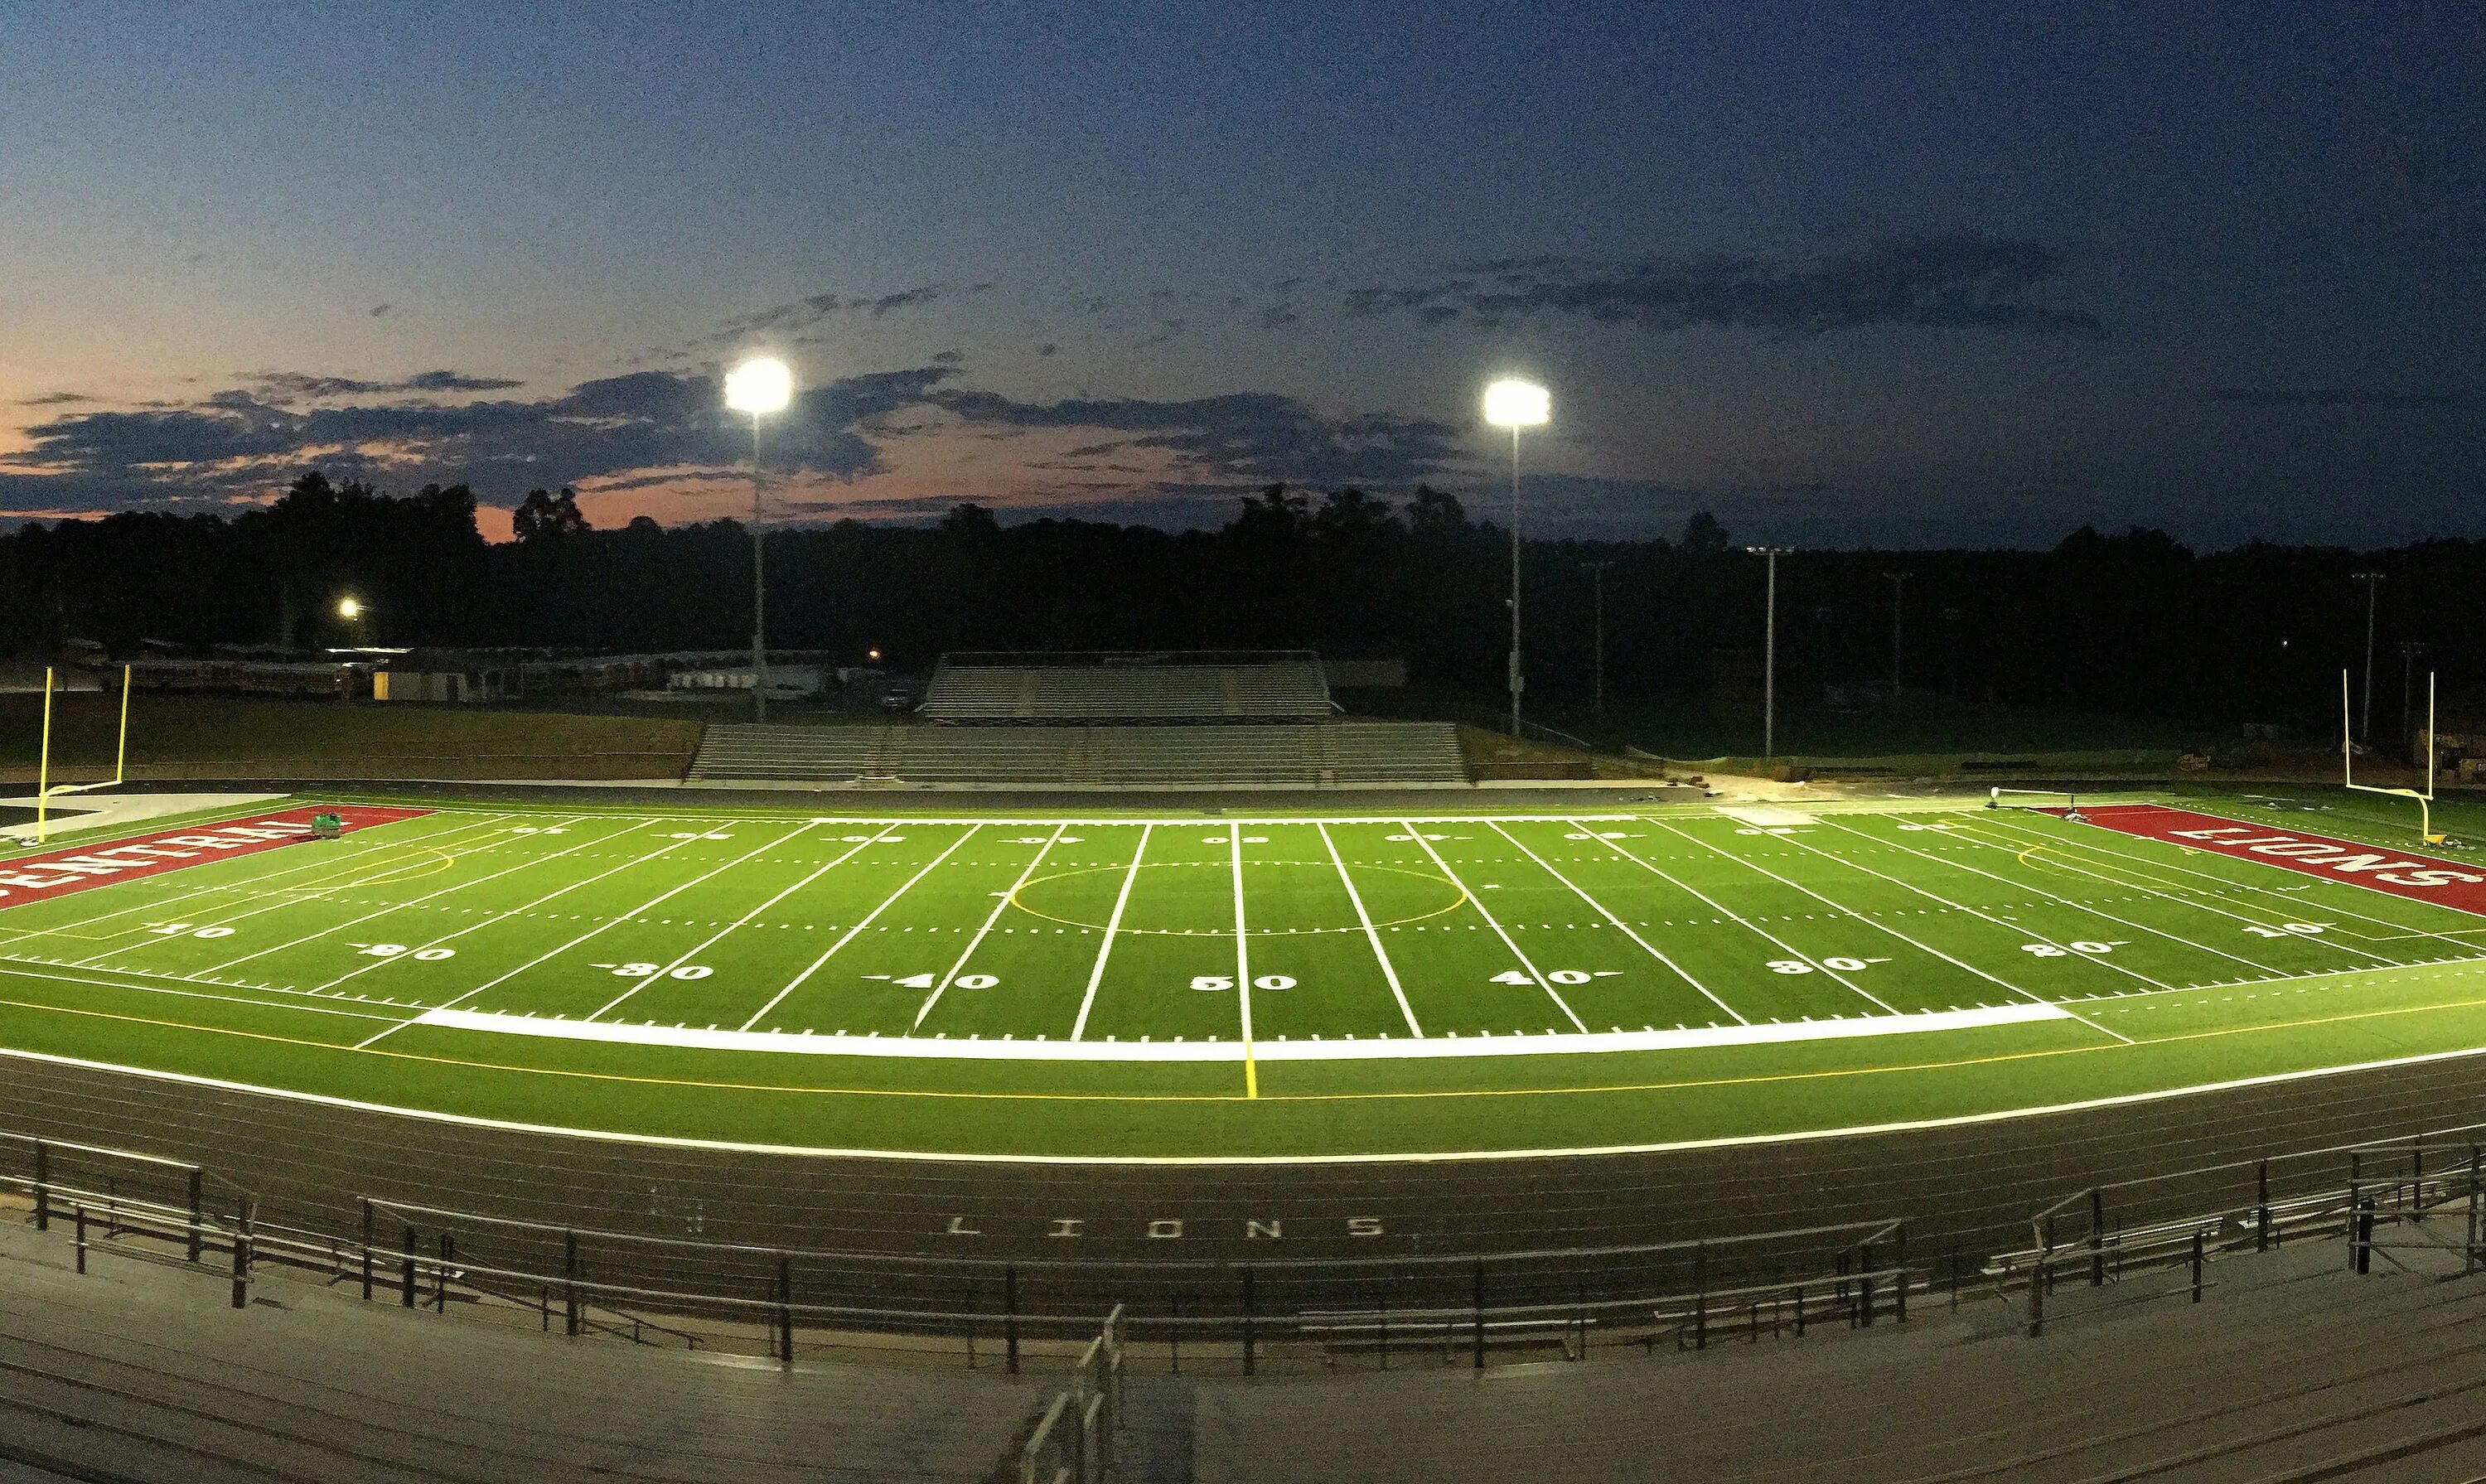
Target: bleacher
{"x": 983, "y": 687}
{"x": 1311, "y": 754}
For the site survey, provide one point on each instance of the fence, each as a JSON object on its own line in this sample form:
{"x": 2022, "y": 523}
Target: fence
{"x": 2376, "y": 1195}
{"x": 785, "y": 1303}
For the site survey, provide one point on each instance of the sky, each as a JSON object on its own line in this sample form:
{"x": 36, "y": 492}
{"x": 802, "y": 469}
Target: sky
{"x": 1845, "y": 273}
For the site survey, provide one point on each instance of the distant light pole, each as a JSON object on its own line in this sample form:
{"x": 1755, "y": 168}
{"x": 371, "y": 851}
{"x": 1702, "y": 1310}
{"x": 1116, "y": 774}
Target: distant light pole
{"x": 1597, "y": 576}
{"x": 1770, "y": 652}
{"x": 2410, "y": 650}
{"x": 1898, "y": 582}
{"x": 2373, "y": 582}
{"x": 1516, "y": 404}
{"x": 758, "y": 387}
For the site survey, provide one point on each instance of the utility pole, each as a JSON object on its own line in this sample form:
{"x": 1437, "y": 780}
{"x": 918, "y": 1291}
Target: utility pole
{"x": 1898, "y": 582}
{"x": 1597, "y": 576}
{"x": 2373, "y": 582}
{"x": 1770, "y": 652}
{"x": 2410, "y": 650}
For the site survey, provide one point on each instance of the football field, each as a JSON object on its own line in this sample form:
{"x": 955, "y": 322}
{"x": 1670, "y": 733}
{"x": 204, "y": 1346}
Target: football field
{"x": 1200, "y": 986}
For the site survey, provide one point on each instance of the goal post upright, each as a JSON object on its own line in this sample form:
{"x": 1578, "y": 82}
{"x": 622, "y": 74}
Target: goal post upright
{"x": 2424, "y": 797}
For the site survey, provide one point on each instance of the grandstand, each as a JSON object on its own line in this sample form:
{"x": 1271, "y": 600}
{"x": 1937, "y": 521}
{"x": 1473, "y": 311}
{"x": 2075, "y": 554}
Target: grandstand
{"x": 1104, "y": 721}
{"x": 1087, "y": 688}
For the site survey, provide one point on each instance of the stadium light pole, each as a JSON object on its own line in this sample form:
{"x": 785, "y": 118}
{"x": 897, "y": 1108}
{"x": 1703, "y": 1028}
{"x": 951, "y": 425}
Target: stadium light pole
{"x": 1597, "y": 577}
{"x": 2373, "y": 582}
{"x": 1516, "y": 404}
{"x": 758, "y": 387}
{"x": 1770, "y": 652}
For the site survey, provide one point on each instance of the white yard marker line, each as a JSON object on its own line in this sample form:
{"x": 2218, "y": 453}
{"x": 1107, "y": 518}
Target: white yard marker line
{"x": 2265, "y": 969}
{"x": 990, "y": 919}
{"x": 1243, "y": 969}
{"x": 523, "y": 907}
{"x": 721, "y": 934}
{"x": 1970, "y": 834}
{"x": 813, "y": 968}
{"x": 2297, "y": 905}
{"x": 1680, "y": 972}
{"x": 1477, "y": 904}
{"x": 1113, "y": 924}
{"x": 1372, "y": 934}
{"x": 256, "y": 887}
{"x": 1925, "y": 948}
{"x": 609, "y": 922}
{"x": 1729, "y": 913}
{"x": 292, "y": 895}
{"x": 216, "y": 969}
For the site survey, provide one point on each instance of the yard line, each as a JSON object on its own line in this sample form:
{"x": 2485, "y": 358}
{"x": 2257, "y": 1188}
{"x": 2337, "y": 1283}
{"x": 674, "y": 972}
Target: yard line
{"x": 1243, "y": 968}
{"x": 990, "y": 919}
{"x": 815, "y": 967}
{"x": 1928, "y": 947}
{"x": 2155, "y": 932}
{"x": 648, "y": 905}
{"x": 1722, "y": 910}
{"x": 1113, "y": 924}
{"x": 254, "y": 888}
{"x": 1653, "y": 952}
{"x": 2297, "y": 904}
{"x": 290, "y": 895}
{"x": 415, "y": 901}
{"x": 1971, "y": 835}
{"x": 1370, "y": 933}
{"x": 720, "y": 935}
{"x": 1473, "y": 900}
{"x": 527, "y": 906}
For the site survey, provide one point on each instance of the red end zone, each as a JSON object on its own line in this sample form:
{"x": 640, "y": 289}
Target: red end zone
{"x": 39, "y": 878}
{"x": 2418, "y": 877}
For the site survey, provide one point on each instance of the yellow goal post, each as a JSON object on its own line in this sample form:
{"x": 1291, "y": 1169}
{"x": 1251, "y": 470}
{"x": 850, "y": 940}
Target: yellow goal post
{"x": 2424, "y": 797}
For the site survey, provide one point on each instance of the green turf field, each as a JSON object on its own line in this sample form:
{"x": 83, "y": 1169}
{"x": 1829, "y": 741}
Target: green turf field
{"x": 1195, "y": 986}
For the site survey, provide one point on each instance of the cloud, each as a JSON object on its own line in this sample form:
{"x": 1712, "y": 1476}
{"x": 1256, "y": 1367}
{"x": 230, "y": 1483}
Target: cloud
{"x": 1244, "y": 437}
{"x": 285, "y": 386}
{"x": 1959, "y": 280}
{"x": 804, "y": 313}
{"x": 379, "y": 310}
{"x": 56, "y": 399}
{"x": 948, "y": 358}
{"x": 1278, "y": 317}
{"x": 2329, "y": 398}
{"x": 239, "y": 441}
{"x": 1049, "y": 347}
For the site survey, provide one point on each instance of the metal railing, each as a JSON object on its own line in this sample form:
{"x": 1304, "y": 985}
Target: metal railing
{"x": 788, "y": 1304}
{"x": 2099, "y": 1236}
{"x": 1076, "y": 1435}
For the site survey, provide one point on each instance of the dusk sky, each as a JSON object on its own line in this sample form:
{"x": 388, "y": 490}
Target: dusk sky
{"x": 1843, "y": 273}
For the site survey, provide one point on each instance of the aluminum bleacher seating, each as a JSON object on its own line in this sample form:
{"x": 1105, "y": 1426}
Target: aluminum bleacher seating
{"x": 1312, "y": 754}
{"x": 980, "y": 687}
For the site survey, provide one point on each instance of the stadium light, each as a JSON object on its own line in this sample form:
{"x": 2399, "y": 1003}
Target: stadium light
{"x": 349, "y": 608}
{"x": 758, "y": 387}
{"x": 1516, "y": 404}
{"x": 1770, "y": 654}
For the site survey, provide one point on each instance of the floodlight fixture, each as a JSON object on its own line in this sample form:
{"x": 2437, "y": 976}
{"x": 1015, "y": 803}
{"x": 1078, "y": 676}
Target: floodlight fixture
{"x": 1515, "y": 404}
{"x": 349, "y": 608}
{"x": 760, "y": 385}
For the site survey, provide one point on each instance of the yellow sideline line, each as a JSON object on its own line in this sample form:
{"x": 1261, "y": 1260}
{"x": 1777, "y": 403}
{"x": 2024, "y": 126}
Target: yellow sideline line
{"x": 1759, "y": 1078}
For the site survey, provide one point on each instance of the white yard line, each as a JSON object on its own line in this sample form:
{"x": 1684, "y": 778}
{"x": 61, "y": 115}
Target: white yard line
{"x": 2296, "y": 905}
{"x": 295, "y": 895}
{"x": 721, "y": 934}
{"x": 1680, "y": 972}
{"x": 609, "y": 922}
{"x": 990, "y": 919}
{"x": 813, "y": 967}
{"x": 1372, "y": 934}
{"x": 1920, "y": 947}
{"x": 1113, "y": 924}
{"x": 1243, "y": 968}
{"x": 1730, "y": 914}
{"x": 1477, "y": 904}
{"x": 2265, "y": 969}
{"x": 458, "y": 886}
{"x": 2381, "y": 960}
{"x": 257, "y": 886}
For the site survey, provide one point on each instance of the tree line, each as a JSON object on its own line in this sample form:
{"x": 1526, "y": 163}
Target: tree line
{"x": 2132, "y": 624}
